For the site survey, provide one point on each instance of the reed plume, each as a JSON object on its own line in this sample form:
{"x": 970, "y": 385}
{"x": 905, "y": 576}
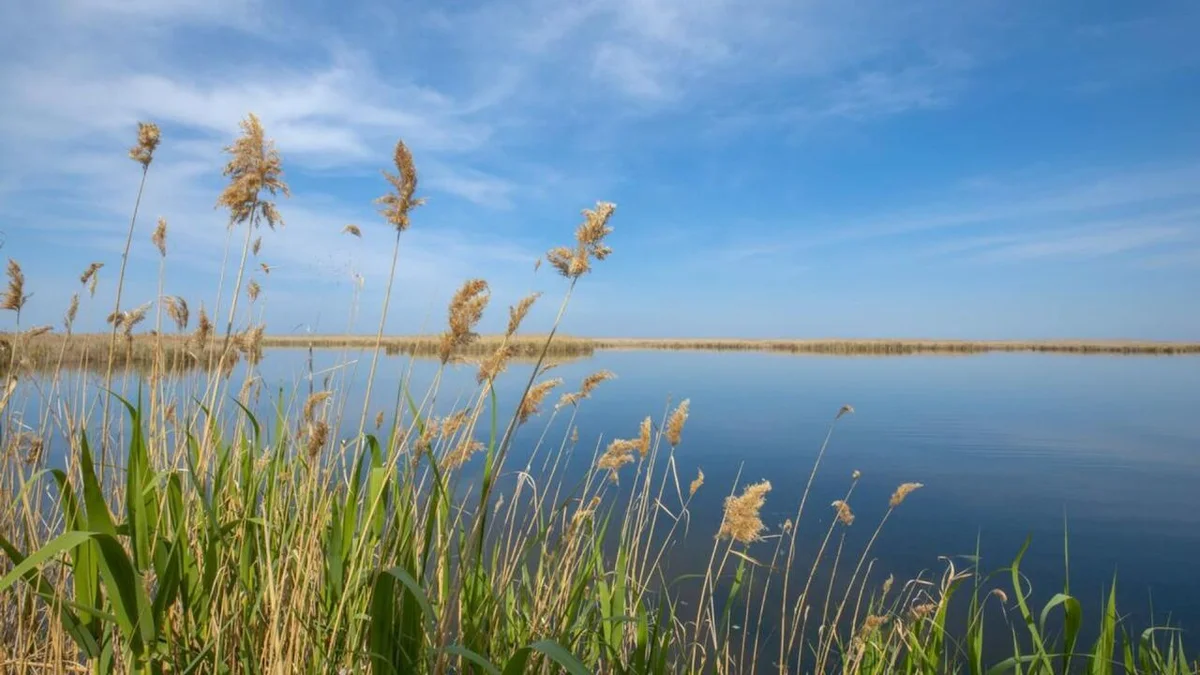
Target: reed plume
{"x": 844, "y": 514}
{"x": 252, "y": 290}
{"x": 254, "y": 166}
{"x": 466, "y": 308}
{"x": 697, "y": 482}
{"x": 352, "y": 230}
{"x": 461, "y": 453}
{"x": 90, "y": 272}
{"x": 396, "y": 205}
{"x": 585, "y": 390}
{"x": 903, "y": 492}
{"x": 491, "y": 367}
{"x": 742, "y": 521}
{"x": 532, "y": 403}
{"x": 516, "y": 314}
{"x": 314, "y": 400}
{"x": 133, "y": 317}
{"x": 619, "y": 453}
{"x": 643, "y": 447}
{"x": 177, "y": 310}
{"x": 318, "y": 434}
{"x": 147, "y": 142}
{"x": 256, "y": 246}
{"x": 14, "y": 296}
{"x": 72, "y": 310}
{"x": 204, "y": 327}
{"x": 589, "y": 243}
{"x": 676, "y": 422}
{"x": 37, "y": 331}
{"x": 159, "y": 238}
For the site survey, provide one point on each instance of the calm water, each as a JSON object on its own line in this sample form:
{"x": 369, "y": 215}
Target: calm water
{"x": 1007, "y": 445}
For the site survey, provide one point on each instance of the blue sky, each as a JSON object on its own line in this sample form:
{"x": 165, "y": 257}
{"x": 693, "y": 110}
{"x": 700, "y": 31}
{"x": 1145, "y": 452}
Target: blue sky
{"x": 783, "y": 168}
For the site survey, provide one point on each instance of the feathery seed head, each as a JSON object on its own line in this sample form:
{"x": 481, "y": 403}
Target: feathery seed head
{"x": 574, "y": 435}
{"x": 14, "y": 296}
{"x": 618, "y": 454}
{"x": 923, "y": 610}
{"x": 589, "y": 243}
{"x": 902, "y": 492}
{"x": 872, "y": 623}
{"x": 159, "y": 238}
{"x": 38, "y": 330}
{"x": 856, "y": 475}
{"x": 675, "y": 423}
{"x": 491, "y": 367}
{"x": 887, "y": 585}
{"x": 318, "y": 433}
{"x": 742, "y": 521}
{"x": 396, "y": 205}
{"x": 844, "y": 410}
{"x": 314, "y": 400}
{"x": 644, "y": 437}
{"x": 466, "y": 308}
{"x": 72, "y": 310}
{"x": 451, "y": 424}
{"x": 147, "y": 140}
{"x": 204, "y": 327}
{"x": 257, "y": 246}
{"x": 378, "y": 419}
{"x": 90, "y": 272}
{"x": 252, "y": 290}
{"x": 462, "y": 453}
{"x": 517, "y": 313}
{"x": 177, "y": 309}
{"x": 844, "y": 513}
{"x": 133, "y": 317}
{"x": 697, "y": 482}
{"x": 352, "y": 229}
{"x": 592, "y": 381}
{"x": 999, "y": 593}
{"x": 254, "y": 166}
{"x": 532, "y": 404}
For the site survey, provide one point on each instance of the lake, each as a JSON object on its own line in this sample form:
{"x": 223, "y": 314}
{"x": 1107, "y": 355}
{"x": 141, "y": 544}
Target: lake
{"x": 1008, "y": 446}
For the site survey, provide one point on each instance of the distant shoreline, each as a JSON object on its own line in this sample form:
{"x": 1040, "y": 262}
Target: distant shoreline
{"x": 422, "y": 343}
{"x": 183, "y": 351}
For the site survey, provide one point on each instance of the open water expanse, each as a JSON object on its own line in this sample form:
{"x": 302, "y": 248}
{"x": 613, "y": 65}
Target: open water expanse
{"x": 1008, "y": 446}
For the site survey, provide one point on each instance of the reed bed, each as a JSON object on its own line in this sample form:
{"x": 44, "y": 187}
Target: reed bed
{"x": 186, "y": 533}
{"x": 905, "y": 346}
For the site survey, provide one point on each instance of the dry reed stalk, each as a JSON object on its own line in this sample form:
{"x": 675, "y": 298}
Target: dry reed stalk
{"x": 142, "y": 152}
{"x": 395, "y": 207}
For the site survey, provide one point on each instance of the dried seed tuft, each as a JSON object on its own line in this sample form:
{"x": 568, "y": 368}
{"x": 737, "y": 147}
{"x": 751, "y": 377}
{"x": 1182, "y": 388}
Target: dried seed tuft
{"x": 742, "y": 521}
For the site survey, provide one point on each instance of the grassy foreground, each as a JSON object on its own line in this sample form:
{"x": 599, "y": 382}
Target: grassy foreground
{"x": 183, "y": 534}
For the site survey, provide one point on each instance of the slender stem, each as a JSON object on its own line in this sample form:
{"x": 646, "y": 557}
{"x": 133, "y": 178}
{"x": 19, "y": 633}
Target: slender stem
{"x": 112, "y": 343}
{"x": 387, "y": 298}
